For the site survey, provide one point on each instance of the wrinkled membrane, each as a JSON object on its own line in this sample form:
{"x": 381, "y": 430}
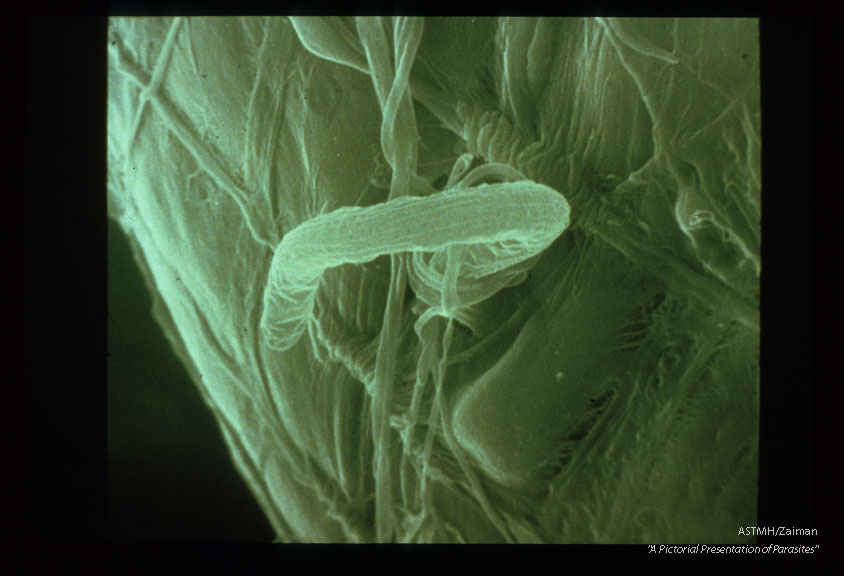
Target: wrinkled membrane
{"x": 457, "y": 279}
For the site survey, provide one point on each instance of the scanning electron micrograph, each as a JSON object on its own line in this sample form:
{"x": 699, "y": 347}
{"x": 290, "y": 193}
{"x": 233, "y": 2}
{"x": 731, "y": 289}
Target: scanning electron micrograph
{"x": 471, "y": 280}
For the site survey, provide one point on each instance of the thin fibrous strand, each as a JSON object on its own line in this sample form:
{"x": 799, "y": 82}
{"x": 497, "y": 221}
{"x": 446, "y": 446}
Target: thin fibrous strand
{"x": 397, "y": 113}
{"x": 150, "y": 90}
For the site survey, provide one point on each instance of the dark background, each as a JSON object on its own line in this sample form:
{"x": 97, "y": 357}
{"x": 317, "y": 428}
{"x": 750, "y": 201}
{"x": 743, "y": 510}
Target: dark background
{"x": 170, "y": 476}
{"x": 122, "y": 448}
{"x": 117, "y": 444}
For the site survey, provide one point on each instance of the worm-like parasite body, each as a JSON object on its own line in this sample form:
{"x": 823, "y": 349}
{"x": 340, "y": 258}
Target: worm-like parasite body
{"x": 507, "y": 222}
